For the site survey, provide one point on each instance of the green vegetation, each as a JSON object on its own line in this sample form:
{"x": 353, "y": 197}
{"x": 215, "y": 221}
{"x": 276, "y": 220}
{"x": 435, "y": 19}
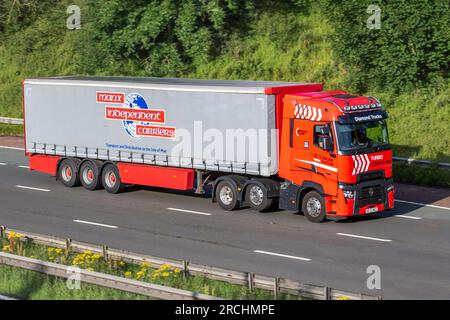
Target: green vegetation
{"x": 29, "y": 285}
{"x": 410, "y": 50}
{"x": 414, "y": 174}
{"x": 10, "y": 130}
{"x": 42, "y": 287}
{"x": 405, "y": 63}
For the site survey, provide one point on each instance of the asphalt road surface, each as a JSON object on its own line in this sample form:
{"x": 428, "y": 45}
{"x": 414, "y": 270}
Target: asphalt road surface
{"x": 410, "y": 244}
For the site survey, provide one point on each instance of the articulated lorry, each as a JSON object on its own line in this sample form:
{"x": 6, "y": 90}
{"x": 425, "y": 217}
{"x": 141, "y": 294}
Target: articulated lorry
{"x": 261, "y": 144}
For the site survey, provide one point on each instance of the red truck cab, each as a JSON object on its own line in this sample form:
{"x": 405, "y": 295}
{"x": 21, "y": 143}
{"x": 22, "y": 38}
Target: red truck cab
{"x": 334, "y": 155}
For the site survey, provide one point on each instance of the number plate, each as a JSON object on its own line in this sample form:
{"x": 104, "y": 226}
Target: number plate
{"x": 372, "y": 210}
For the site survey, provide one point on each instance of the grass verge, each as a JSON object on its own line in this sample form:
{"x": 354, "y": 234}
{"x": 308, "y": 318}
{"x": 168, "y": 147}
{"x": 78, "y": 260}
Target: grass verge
{"x": 413, "y": 174}
{"x": 11, "y": 130}
{"x": 164, "y": 275}
{"x": 30, "y": 285}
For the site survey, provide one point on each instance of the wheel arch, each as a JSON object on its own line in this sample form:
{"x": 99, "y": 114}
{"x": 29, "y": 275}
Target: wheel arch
{"x": 308, "y": 186}
{"x": 105, "y": 163}
{"x": 236, "y": 180}
{"x": 272, "y": 187}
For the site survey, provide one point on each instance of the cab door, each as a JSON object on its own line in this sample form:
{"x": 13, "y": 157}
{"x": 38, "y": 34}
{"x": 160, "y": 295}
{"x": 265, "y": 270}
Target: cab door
{"x": 300, "y": 143}
{"x": 323, "y": 155}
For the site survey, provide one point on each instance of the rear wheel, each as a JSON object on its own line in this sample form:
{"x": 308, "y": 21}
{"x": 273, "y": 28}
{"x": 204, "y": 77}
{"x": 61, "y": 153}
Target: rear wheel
{"x": 67, "y": 173}
{"x": 227, "y": 196}
{"x": 313, "y": 207}
{"x": 111, "y": 179}
{"x": 256, "y": 196}
{"x": 89, "y": 176}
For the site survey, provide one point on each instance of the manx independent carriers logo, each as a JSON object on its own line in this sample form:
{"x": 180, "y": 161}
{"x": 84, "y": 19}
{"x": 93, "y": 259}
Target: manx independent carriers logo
{"x": 137, "y": 119}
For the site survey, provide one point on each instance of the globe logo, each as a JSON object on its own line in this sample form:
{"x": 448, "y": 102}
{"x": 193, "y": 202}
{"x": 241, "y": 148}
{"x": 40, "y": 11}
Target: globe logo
{"x": 134, "y": 101}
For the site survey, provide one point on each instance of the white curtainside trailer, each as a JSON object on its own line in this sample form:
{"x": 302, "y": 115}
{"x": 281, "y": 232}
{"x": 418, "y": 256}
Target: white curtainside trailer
{"x": 225, "y": 126}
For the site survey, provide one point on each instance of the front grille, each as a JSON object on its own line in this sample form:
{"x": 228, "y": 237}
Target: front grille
{"x": 368, "y": 201}
{"x": 370, "y": 192}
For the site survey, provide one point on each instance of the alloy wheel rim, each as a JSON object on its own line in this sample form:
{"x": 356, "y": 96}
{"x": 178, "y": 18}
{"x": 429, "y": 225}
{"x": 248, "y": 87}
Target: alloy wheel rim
{"x": 88, "y": 175}
{"x": 226, "y": 195}
{"x": 66, "y": 173}
{"x": 314, "y": 207}
{"x": 256, "y": 195}
{"x": 110, "y": 179}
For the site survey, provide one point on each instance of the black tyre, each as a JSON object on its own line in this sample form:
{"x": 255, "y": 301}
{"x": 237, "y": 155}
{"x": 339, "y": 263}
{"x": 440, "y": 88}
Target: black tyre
{"x": 111, "y": 179}
{"x": 90, "y": 175}
{"x": 256, "y": 196}
{"x": 227, "y": 196}
{"x": 313, "y": 207}
{"x": 68, "y": 173}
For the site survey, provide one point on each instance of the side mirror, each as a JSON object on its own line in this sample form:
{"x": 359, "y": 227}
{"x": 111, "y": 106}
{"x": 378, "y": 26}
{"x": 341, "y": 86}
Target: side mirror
{"x": 325, "y": 143}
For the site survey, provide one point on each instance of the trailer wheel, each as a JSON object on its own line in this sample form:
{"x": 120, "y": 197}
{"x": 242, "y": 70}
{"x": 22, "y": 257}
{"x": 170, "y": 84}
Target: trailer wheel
{"x": 256, "y": 196}
{"x": 67, "y": 173}
{"x": 111, "y": 179}
{"x": 313, "y": 207}
{"x": 90, "y": 176}
{"x": 227, "y": 196}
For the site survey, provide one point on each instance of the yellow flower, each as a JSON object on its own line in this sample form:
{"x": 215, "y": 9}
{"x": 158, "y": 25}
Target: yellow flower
{"x": 6, "y": 248}
{"x": 89, "y": 269}
{"x": 121, "y": 263}
{"x": 177, "y": 270}
{"x": 166, "y": 274}
{"x": 127, "y": 274}
{"x": 343, "y": 298}
{"x": 50, "y": 250}
{"x": 139, "y": 275}
{"x": 145, "y": 265}
{"x": 87, "y": 252}
{"x": 96, "y": 257}
{"x": 11, "y": 235}
{"x": 58, "y": 251}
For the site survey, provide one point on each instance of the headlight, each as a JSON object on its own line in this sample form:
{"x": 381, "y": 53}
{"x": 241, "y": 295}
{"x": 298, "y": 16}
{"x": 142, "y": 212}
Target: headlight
{"x": 349, "y": 194}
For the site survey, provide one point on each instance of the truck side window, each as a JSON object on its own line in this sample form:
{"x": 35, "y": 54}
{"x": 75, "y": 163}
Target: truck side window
{"x": 321, "y": 130}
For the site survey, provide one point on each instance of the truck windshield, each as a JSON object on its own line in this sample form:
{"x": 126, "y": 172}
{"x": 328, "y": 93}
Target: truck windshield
{"x": 364, "y": 135}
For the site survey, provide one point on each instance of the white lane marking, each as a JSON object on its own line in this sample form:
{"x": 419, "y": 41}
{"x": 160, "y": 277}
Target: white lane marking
{"x": 362, "y": 237}
{"x": 281, "y": 255}
{"x": 96, "y": 224}
{"x": 12, "y": 148}
{"x": 408, "y": 217}
{"x": 3, "y": 164}
{"x": 423, "y": 204}
{"x": 32, "y": 188}
{"x": 23, "y": 167}
{"x": 189, "y": 211}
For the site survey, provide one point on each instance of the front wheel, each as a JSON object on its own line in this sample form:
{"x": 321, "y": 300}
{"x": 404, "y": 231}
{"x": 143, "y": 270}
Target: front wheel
{"x": 313, "y": 207}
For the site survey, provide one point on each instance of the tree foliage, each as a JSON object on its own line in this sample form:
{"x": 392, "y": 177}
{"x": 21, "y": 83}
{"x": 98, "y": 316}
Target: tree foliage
{"x": 411, "y": 49}
{"x": 177, "y": 37}
{"x": 167, "y": 37}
